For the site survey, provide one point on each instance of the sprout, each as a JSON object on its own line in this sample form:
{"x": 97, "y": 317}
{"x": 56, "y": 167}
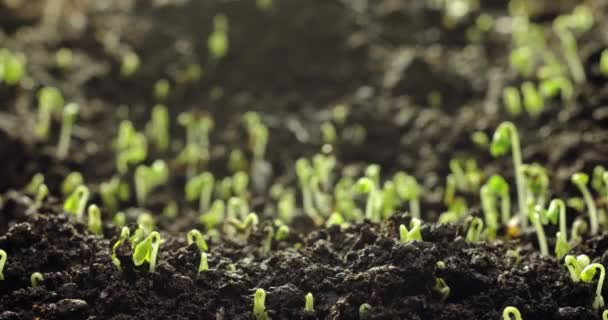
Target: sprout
{"x": 218, "y": 40}
{"x": 511, "y": 311}
{"x": 171, "y": 209}
{"x": 64, "y": 58}
{"x": 522, "y": 61}
{"x": 328, "y": 133}
{"x": 237, "y": 207}
{"x": 581, "y": 180}
{"x": 533, "y": 100}
{"x": 537, "y": 182}
{"x": 604, "y": 63}
{"x": 309, "y": 304}
{"x": 69, "y": 117}
{"x": 12, "y": 67}
{"x": 240, "y": 182}
{"x": 112, "y": 191}
{"x": 536, "y": 219}
{"x": 147, "y": 251}
{"x": 512, "y": 100}
{"x": 214, "y": 216}
{"x": 195, "y": 236}
{"x": 335, "y": 219}
{"x": 246, "y": 226}
{"x": 557, "y": 211}
{"x": 237, "y": 161}
{"x": 480, "y": 139}
{"x": 576, "y": 265}
{"x": 373, "y": 172}
{"x": 145, "y": 225}
{"x": 570, "y": 50}
{"x": 259, "y": 305}
{"x": 409, "y": 190}
{"x": 201, "y": 187}
{"x": 551, "y": 87}
{"x": 76, "y": 203}
{"x": 474, "y": 230}
{"x": 286, "y": 206}
{"x": 259, "y": 140}
{"x": 499, "y": 187}
{"x": 130, "y": 64}
{"x": 157, "y": 130}
{"x": 323, "y": 165}
{"x": 442, "y": 288}
{"x": 71, "y": 182}
{"x": 2, "y": 263}
{"x": 579, "y": 227}
{"x": 162, "y": 88}
{"x": 204, "y": 264}
{"x": 506, "y": 138}
{"x": 131, "y": 147}
{"x": 35, "y": 279}
{"x": 587, "y": 276}
{"x": 119, "y": 220}
{"x": 50, "y": 100}
{"x": 304, "y": 172}
{"x": 367, "y": 186}
{"x": 413, "y": 233}
{"x": 488, "y": 203}
{"x": 148, "y": 178}
{"x": 95, "y": 224}
{"x": 282, "y": 232}
{"x": 43, "y": 192}
{"x": 124, "y": 236}
{"x": 364, "y": 310}
{"x": 34, "y": 185}
{"x": 390, "y": 199}
{"x": 605, "y": 315}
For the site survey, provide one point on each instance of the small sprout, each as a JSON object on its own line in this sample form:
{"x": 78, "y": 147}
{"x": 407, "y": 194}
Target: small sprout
{"x": 218, "y": 40}
{"x": 537, "y": 183}
{"x": 50, "y": 100}
{"x": 12, "y": 67}
{"x": 570, "y": 49}
{"x": 162, "y": 88}
{"x": 157, "y": 130}
{"x": 2, "y": 263}
{"x": 536, "y": 219}
{"x": 442, "y": 289}
{"x": 237, "y": 207}
{"x": 35, "y": 279}
{"x": 110, "y": 193}
{"x": 286, "y": 206}
{"x": 131, "y": 147}
{"x": 246, "y": 226}
{"x": 119, "y": 220}
{"x": 335, "y": 219}
{"x": 124, "y": 236}
{"x": 522, "y": 60}
{"x": 43, "y": 192}
{"x": 509, "y": 312}
{"x": 500, "y": 187}
{"x": 95, "y": 224}
{"x": 409, "y": 190}
{"x": 130, "y": 64}
{"x": 605, "y": 315}
{"x": 488, "y": 204}
{"x": 282, "y": 233}
{"x": 195, "y": 236}
{"x": 506, "y": 139}
{"x": 214, "y": 216}
{"x": 581, "y": 180}
{"x": 480, "y": 139}
{"x": 148, "y": 178}
{"x": 587, "y": 276}
{"x": 71, "y": 182}
{"x": 147, "y": 251}
{"x": 240, "y": 183}
{"x": 604, "y": 63}
{"x": 413, "y": 233}
{"x": 304, "y": 172}
{"x": 204, "y": 264}
{"x": 474, "y": 230}
{"x": 201, "y": 187}
{"x": 259, "y": 305}
{"x": 557, "y": 211}
{"x": 364, "y": 311}
{"x": 533, "y": 100}
{"x": 69, "y": 117}
{"x": 576, "y": 265}
{"x": 309, "y": 304}
{"x": 512, "y": 101}
{"x": 34, "y": 185}
{"x": 76, "y": 203}
{"x": 328, "y": 133}
{"x": 64, "y": 58}
{"x": 579, "y": 227}
{"x": 367, "y": 186}
{"x": 237, "y": 161}
{"x": 552, "y": 86}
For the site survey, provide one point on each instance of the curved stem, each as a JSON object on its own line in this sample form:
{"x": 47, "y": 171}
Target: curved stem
{"x": 155, "y": 247}
{"x": 540, "y": 234}
{"x": 591, "y": 207}
{"x": 520, "y": 180}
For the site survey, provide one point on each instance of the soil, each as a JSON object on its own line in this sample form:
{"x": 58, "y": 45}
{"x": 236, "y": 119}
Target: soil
{"x": 291, "y": 64}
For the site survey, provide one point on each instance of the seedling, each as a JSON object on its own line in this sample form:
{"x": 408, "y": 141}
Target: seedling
{"x": 506, "y": 139}
{"x": 536, "y": 219}
{"x": 218, "y": 40}
{"x": 64, "y": 58}
{"x": 237, "y": 161}
{"x": 195, "y": 236}
{"x": 147, "y": 251}
{"x": 237, "y": 207}
{"x": 335, "y": 219}
{"x": 581, "y": 180}
{"x": 76, "y": 203}
{"x": 587, "y": 276}
{"x": 579, "y": 227}
{"x": 130, "y": 64}
{"x": 286, "y": 206}
{"x": 95, "y": 224}
{"x": 509, "y": 312}
{"x": 71, "y": 182}
{"x": 43, "y": 192}
{"x": 204, "y": 264}
{"x": 282, "y": 232}
{"x": 119, "y": 220}
{"x": 309, "y": 304}
{"x": 131, "y": 147}
{"x": 474, "y": 230}
{"x": 34, "y": 185}
{"x": 409, "y": 190}
{"x": 157, "y": 130}
{"x": 512, "y": 101}
{"x": 145, "y": 225}
{"x": 214, "y": 216}
{"x": 365, "y": 310}
{"x": 148, "y": 178}
{"x": 162, "y": 88}
{"x": 499, "y": 187}
{"x": 522, "y": 60}
{"x": 323, "y": 166}
{"x": 240, "y": 183}
{"x": 413, "y": 233}
{"x": 201, "y": 187}
{"x": 124, "y": 236}
{"x": 2, "y": 263}
{"x": 12, "y": 67}
{"x": 304, "y": 172}
{"x": 35, "y": 279}
{"x": 367, "y": 186}
{"x": 50, "y": 100}
{"x": 604, "y": 63}
{"x": 557, "y": 211}
{"x": 259, "y": 305}
{"x": 537, "y": 182}
{"x": 605, "y": 315}
{"x": 442, "y": 289}
{"x": 488, "y": 203}
{"x": 69, "y": 117}
{"x": 246, "y": 226}
{"x": 112, "y": 192}
{"x": 576, "y": 265}
{"x": 533, "y": 100}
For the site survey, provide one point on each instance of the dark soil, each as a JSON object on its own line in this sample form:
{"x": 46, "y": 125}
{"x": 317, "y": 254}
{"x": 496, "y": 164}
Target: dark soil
{"x": 291, "y": 64}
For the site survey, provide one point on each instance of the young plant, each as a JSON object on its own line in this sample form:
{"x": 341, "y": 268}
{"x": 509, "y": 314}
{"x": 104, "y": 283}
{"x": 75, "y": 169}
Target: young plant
{"x": 511, "y": 313}
{"x": 12, "y": 67}
{"x": 112, "y": 192}
{"x": 76, "y": 203}
{"x": 147, "y": 251}
{"x": 367, "y": 186}
{"x": 309, "y": 303}
{"x": 506, "y": 139}
{"x": 557, "y": 211}
{"x": 71, "y": 182}
{"x": 365, "y": 310}
{"x": 124, "y": 236}
{"x": 587, "y": 276}
{"x": 204, "y": 264}
{"x": 246, "y": 226}
{"x": 195, "y": 236}
{"x": 536, "y": 217}
{"x": 130, "y": 64}
{"x": 488, "y": 204}
{"x": 512, "y": 101}
{"x": 34, "y": 185}
{"x": 474, "y": 230}
{"x": 50, "y": 100}
{"x": 64, "y": 58}
{"x": 70, "y": 111}
{"x": 43, "y": 192}
{"x": 499, "y": 187}
{"x": 148, "y": 178}
{"x": 537, "y": 183}
{"x": 218, "y": 40}
{"x": 442, "y": 289}
{"x": 581, "y": 180}
{"x": 131, "y": 147}
{"x": 259, "y": 305}
{"x": 304, "y": 172}
{"x": 157, "y": 129}
{"x": 35, "y": 279}
{"x": 95, "y": 224}
{"x": 409, "y": 190}
{"x": 579, "y": 227}
{"x": 162, "y": 88}
{"x": 214, "y": 216}
{"x": 2, "y": 263}
{"x": 576, "y": 265}
{"x": 533, "y": 100}
{"x": 201, "y": 187}
{"x": 413, "y": 233}
{"x": 604, "y": 63}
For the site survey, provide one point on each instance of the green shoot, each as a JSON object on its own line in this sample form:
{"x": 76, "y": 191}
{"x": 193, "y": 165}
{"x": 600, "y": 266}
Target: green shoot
{"x": 499, "y": 186}
{"x": 579, "y": 227}
{"x": 214, "y": 216}
{"x": 237, "y": 207}
{"x": 576, "y": 265}
{"x": 309, "y": 303}
{"x": 536, "y": 219}
{"x": 587, "y": 276}
{"x": 522, "y": 61}
{"x": 76, "y": 203}
{"x": 365, "y": 310}
{"x": 581, "y": 180}
{"x": 474, "y": 230}
{"x": 557, "y": 211}
{"x": 162, "y": 88}
{"x": 604, "y": 63}
{"x": 201, "y": 187}
{"x": 605, "y": 315}
{"x": 64, "y": 58}
{"x": 112, "y": 192}
{"x": 282, "y": 232}
{"x": 12, "y": 67}
{"x": 50, "y": 100}
{"x": 124, "y": 236}
{"x": 148, "y": 178}
{"x": 367, "y": 186}
{"x": 157, "y": 130}
{"x": 570, "y": 49}
{"x": 71, "y": 182}
{"x": 286, "y": 206}
{"x": 130, "y": 64}
{"x": 246, "y": 226}
{"x": 537, "y": 182}
{"x": 204, "y": 264}
{"x": 34, "y": 185}
{"x": 304, "y": 172}
{"x": 442, "y": 289}
{"x": 506, "y": 139}
{"x": 409, "y": 190}
{"x": 413, "y": 233}
{"x": 95, "y": 224}
{"x": 328, "y": 133}
{"x": 131, "y": 147}
{"x": 145, "y": 225}
{"x": 240, "y": 183}
{"x": 195, "y": 236}
{"x": 259, "y": 305}
{"x": 237, "y": 161}
{"x": 509, "y": 312}
{"x": 69, "y": 117}
{"x": 35, "y": 279}
{"x": 552, "y": 86}
{"x": 335, "y": 219}
{"x": 533, "y": 100}
{"x": 119, "y": 220}
{"x": 147, "y": 251}
{"x": 2, "y": 263}
{"x": 512, "y": 100}
{"x": 488, "y": 204}
{"x": 43, "y": 192}
{"x": 218, "y": 40}
{"x": 323, "y": 166}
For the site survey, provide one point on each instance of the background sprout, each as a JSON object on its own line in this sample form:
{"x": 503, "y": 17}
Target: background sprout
{"x": 34, "y": 185}
{"x": 131, "y": 147}
{"x": 119, "y": 219}
{"x": 69, "y": 117}
{"x": 576, "y": 265}
{"x": 509, "y": 312}
{"x": 43, "y": 192}
{"x": 95, "y": 225}
{"x": 581, "y": 180}
{"x": 204, "y": 264}
{"x": 506, "y": 139}
{"x": 259, "y": 305}
{"x": 71, "y": 182}
{"x": 282, "y": 233}
{"x": 2, "y": 263}
{"x": 201, "y": 187}
{"x": 64, "y": 58}
{"x": 474, "y": 230}
{"x": 214, "y": 216}
{"x": 587, "y": 276}
{"x": 442, "y": 288}
{"x": 218, "y": 40}
{"x": 335, "y": 219}
{"x": 130, "y": 64}
{"x": 367, "y": 186}
{"x": 557, "y": 211}
{"x": 536, "y": 219}
{"x": 364, "y": 311}
{"x": 12, "y": 67}
{"x": 409, "y": 190}
{"x": 35, "y": 279}
{"x": 533, "y": 100}
{"x": 309, "y": 304}
{"x": 162, "y": 88}
{"x": 512, "y": 100}
{"x": 147, "y": 251}
{"x": 499, "y": 186}
{"x": 124, "y": 236}
{"x": 304, "y": 172}
{"x": 413, "y": 233}
{"x": 157, "y": 130}
{"x": 50, "y": 100}
{"x": 579, "y": 227}
{"x": 240, "y": 183}
{"x": 195, "y": 236}
{"x": 488, "y": 203}
{"x": 76, "y": 203}
{"x": 246, "y": 226}
{"x": 237, "y": 161}
{"x": 604, "y": 63}
{"x": 148, "y": 178}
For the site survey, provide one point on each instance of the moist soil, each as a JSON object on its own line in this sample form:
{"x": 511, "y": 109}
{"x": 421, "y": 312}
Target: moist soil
{"x": 290, "y": 64}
